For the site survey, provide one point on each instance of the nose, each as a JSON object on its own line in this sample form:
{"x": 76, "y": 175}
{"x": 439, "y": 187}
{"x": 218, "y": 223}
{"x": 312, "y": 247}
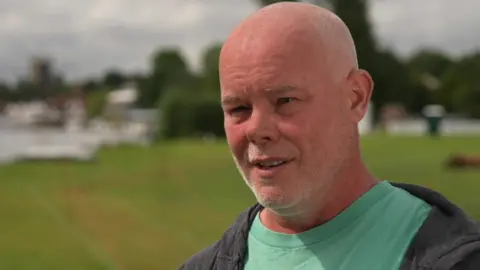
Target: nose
{"x": 262, "y": 127}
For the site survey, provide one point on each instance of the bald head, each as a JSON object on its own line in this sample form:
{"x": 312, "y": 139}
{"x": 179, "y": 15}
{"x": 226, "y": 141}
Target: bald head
{"x": 293, "y": 29}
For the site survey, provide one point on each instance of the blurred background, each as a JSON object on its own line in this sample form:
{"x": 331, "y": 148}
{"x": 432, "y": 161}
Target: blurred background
{"x": 112, "y": 151}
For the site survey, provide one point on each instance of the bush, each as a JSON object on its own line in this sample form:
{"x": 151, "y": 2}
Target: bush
{"x": 466, "y": 99}
{"x": 208, "y": 117}
{"x": 185, "y": 114}
{"x": 95, "y": 102}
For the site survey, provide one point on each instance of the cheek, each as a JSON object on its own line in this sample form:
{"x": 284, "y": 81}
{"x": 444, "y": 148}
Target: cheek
{"x": 327, "y": 139}
{"x": 296, "y": 133}
{"x": 236, "y": 140}
{"x": 310, "y": 133}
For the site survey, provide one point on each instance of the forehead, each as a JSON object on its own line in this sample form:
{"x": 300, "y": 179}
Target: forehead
{"x": 266, "y": 56}
{"x": 269, "y": 74}
{"x": 263, "y": 63}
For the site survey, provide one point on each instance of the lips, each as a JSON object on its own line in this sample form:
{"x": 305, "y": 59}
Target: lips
{"x": 266, "y": 164}
{"x": 270, "y": 165}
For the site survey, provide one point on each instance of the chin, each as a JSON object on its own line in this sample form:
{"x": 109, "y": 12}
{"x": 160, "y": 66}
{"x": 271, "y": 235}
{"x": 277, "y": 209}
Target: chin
{"x": 276, "y": 199}
{"x": 270, "y": 194}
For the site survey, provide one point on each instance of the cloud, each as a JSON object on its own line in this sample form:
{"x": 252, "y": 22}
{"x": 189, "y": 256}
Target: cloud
{"x": 87, "y": 37}
{"x": 407, "y": 25}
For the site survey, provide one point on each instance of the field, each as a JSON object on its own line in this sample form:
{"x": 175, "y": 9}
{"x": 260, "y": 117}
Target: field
{"x": 141, "y": 208}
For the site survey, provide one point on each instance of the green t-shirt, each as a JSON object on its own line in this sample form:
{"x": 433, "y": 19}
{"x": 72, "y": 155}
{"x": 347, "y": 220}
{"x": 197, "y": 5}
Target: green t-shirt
{"x": 373, "y": 233}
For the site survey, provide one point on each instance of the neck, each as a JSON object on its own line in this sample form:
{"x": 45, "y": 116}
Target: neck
{"x": 336, "y": 199}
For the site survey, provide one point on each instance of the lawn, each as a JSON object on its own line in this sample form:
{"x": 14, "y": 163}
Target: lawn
{"x": 151, "y": 208}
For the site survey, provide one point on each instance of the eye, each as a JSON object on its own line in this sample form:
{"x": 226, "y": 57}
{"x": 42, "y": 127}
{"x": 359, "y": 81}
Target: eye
{"x": 285, "y": 100}
{"x": 238, "y": 109}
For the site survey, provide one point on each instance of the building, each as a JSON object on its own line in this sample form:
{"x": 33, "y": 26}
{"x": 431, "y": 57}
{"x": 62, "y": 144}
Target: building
{"x": 41, "y": 71}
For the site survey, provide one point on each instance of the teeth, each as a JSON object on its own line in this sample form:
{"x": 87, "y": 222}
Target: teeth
{"x": 271, "y": 163}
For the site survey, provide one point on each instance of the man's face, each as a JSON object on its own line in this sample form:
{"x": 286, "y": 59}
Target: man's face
{"x": 286, "y": 124}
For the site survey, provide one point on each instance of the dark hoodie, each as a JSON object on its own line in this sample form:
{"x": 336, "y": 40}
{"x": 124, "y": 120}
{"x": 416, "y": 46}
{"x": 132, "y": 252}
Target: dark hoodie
{"x": 448, "y": 239}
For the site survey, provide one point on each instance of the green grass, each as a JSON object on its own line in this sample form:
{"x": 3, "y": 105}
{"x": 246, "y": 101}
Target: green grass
{"x": 141, "y": 208}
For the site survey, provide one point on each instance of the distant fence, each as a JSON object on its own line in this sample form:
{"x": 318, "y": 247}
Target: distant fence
{"x": 419, "y": 127}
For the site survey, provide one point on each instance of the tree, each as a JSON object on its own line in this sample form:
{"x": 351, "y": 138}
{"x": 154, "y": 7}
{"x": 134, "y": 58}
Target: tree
{"x": 460, "y": 86}
{"x": 176, "y": 115}
{"x": 396, "y": 84}
{"x": 147, "y": 92}
{"x": 184, "y": 113}
{"x": 26, "y": 91}
{"x": 91, "y": 85}
{"x": 114, "y": 79}
{"x": 466, "y": 99}
{"x": 210, "y": 74}
{"x": 190, "y": 105}
{"x": 5, "y": 92}
{"x": 168, "y": 70}
{"x": 428, "y": 61}
{"x": 95, "y": 102}
{"x": 170, "y": 66}
{"x": 5, "y": 95}
{"x": 426, "y": 69}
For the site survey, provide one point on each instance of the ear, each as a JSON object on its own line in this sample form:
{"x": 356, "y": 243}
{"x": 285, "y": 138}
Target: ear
{"x": 359, "y": 93}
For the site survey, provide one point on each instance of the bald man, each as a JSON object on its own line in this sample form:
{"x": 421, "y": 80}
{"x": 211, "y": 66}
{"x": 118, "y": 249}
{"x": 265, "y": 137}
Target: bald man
{"x": 292, "y": 95}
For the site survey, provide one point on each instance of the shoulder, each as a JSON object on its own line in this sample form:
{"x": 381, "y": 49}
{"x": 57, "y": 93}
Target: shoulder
{"x": 446, "y": 242}
{"x": 470, "y": 262}
{"x": 229, "y": 248}
{"x": 447, "y": 238}
{"x": 204, "y": 259}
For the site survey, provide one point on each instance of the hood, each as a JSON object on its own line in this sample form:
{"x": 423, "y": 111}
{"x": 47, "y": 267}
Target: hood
{"x": 447, "y": 236}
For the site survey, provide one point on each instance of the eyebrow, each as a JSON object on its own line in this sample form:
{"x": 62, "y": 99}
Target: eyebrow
{"x": 229, "y": 100}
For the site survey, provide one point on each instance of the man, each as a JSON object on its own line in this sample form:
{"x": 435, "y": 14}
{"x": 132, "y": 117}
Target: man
{"x": 292, "y": 95}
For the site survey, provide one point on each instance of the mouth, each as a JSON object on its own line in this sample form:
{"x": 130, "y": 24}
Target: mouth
{"x": 269, "y": 164}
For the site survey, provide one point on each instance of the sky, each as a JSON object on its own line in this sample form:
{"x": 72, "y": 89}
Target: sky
{"x": 86, "y": 38}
